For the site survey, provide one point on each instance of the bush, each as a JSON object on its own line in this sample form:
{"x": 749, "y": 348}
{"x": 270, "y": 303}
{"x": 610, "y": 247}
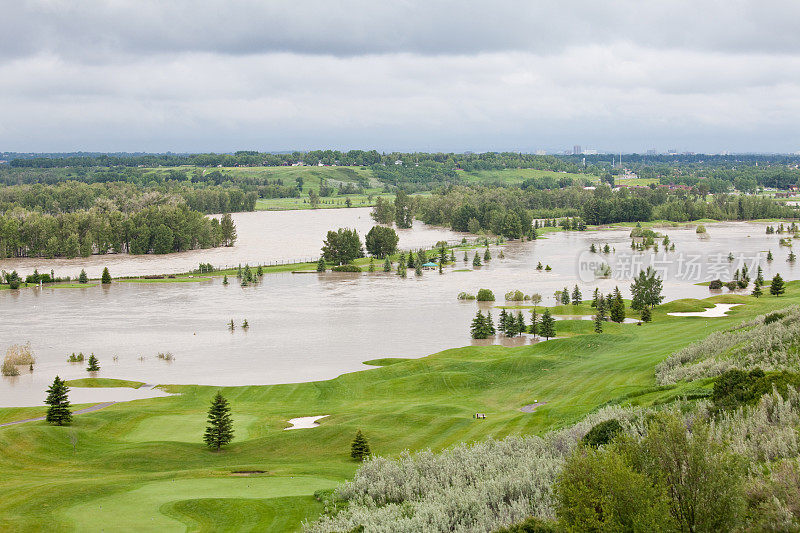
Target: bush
{"x": 515, "y": 296}
{"x": 8, "y": 368}
{"x": 485, "y": 295}
{"x": 346, "y": 268}
{"x": 465, "y": 296}
{"x": 715, "y": 285}
{"x": 20, "y": 354}
{"x": 602, "y": 433}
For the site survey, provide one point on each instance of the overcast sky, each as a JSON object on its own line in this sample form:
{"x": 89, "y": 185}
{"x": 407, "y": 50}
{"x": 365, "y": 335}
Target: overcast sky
{"x": 429, "y": 75}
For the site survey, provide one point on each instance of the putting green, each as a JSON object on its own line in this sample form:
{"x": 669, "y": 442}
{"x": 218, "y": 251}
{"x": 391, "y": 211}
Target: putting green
{"x": 141, "y": 509}
{"x": 184, "y": 428}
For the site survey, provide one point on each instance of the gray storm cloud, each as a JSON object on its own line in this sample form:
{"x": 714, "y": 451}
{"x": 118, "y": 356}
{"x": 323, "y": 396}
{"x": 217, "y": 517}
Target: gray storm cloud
{"x": 435, "y": 75}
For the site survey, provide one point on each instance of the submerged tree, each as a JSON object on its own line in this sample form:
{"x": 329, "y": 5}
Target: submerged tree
{"x": 220, "y": 424}
{"x": 58, "y": 412}
{"x": 93, "y": 365}
{"x": 646, "y": 290}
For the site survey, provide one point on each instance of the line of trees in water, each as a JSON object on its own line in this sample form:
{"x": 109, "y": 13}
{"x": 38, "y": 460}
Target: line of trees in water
{"x": 160, "y": 229}
{"x": 510, "y": 211}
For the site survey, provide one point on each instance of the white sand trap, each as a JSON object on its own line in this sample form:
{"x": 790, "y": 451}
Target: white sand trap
{"x": 304, "y": 422}
{"x": 716, "y": 311}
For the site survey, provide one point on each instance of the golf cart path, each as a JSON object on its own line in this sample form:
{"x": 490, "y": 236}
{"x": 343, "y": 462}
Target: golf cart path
{"x": 95, "y": 407}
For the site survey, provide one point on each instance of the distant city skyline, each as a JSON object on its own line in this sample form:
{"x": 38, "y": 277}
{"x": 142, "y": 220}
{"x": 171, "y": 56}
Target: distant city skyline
{"x": 213, "y": 75}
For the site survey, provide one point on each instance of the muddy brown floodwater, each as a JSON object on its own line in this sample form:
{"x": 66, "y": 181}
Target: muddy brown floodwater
{"x": 307, "y": 327}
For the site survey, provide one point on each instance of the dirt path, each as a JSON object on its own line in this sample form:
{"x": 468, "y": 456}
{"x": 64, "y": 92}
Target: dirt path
{"x": 95, "y": 407}
{"x": 531, "y": 407}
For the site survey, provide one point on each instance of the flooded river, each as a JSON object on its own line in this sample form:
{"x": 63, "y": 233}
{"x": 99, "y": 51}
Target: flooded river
{"x": 309, "y": 327}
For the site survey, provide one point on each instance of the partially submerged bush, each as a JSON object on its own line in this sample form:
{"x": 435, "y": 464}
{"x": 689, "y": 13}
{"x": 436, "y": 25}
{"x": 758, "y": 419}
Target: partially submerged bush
{"x": 20, "y": 354}
{"x": 485, "y": 295}
{"x": 346, "y": 268}
{"x": 465, "y": 296}
{"x": 515, "y": 296}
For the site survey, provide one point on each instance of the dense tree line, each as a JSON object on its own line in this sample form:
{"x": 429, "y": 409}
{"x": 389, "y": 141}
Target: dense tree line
{"x": 509, "y": 211}
{"x": 162, "y": 228}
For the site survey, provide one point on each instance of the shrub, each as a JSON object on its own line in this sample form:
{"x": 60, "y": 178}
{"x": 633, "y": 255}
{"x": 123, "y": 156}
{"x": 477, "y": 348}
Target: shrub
{"x": 20, "y": 354}
{"x": 165, "y": 356}
{"x": 8, "y": 368}
{"x": 485, "y": 295}
{"x": 515, "y": 296}
{"x": 346, "y": 268}
{"x": 715, "y": 284}
{"x": 602, "y": 433}
{"x": 465, "y": 296}
{"x": 701, "y": 229}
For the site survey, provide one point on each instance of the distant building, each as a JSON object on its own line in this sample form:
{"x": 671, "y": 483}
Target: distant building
{"x": 589, "y": 151}
{"x": 398, "y": 162}
{"x": 576, "y": 150}
{"x": 652, "y": 151}
{"x": 541, "y": 152}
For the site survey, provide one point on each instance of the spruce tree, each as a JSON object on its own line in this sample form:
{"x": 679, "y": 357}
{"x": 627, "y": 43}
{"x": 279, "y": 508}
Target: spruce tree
{"x": 58, "y": 412}
{"x": 776, "y": 288}
{"x": 220, "y": 424}
{"x": 595, "y": 296}
{"x": 760, "y": 276}
{"x": 490, "y": 324}
{"x": 646, "y": 316}
{"x": 576, "y": 295}
{"x": 618, "y": 311}
{"x": 82, "y": 277}
{"x": 769, "y": 255}
{"x": 521, "y": 326}
{"x": 486, "y": 255}
{"x": 476, "y": 261}
{"x": 565, "y": 296}
{"x": 792, "y": 257}
{"x": 757, "y": 290}
{"x": 539, "y": 266}
{"x": 93, "y": 365}
{"x": 106, "y": 278}
{"x": 225, "y": 279}
{"x": 598, "y": 323}
{"x": 478, "y": 330}
{"x": 466, "y": 257}
{"x": 371, "y": 264}
{"x": 534, "y": 327}
{"x": 321, "y": 266}
{"x": 502, "y": 321}
{"x": 387, "y": 265}
{"x": 359, "y": 450}
{"x": 547, "y": 325}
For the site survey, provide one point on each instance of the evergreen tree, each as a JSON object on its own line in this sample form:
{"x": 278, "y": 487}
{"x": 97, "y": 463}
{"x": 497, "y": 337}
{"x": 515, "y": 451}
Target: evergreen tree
{"x": 220, "y": 424}
{"x": 595, "y": 296}
{"x": 231, "y": 325}
{"x": 387, "y": 265}
{"x": 82, "y": 277}
{"x": 593, "y": 248}
{"x": 502, "y": 322}
{"x": 410, "y": 263}
{"x": 792, "y": 257}
{"x": 646, "y": 316}
{"x": 486, "y": 255}
{"x": 760, "y": 276}
{"x": 547, "y": 327}
{"x": 539, "y": 266}
{"x": 359, "y": 450}
{"x": 490, "y": 324}
{"x": 321, "y": 266}
{"x": 777, "y": 288}
{"x": 521, "y": 326}
{"x": 576, "y": 296}
{"x": 225, "y": 279}
{"x": 534, "y": 327}
{"x": 476, "y": 261}
{"x": 769, "y": 255}
{"x": 598, "y": 323}
{"x": 466, "y": 257}
{"x": 617, "y": 310}
{"x": 757, "y": 290}
{"x": 479, "y": 330}
{"x": 371, "y": 264}
{"x": 58, "y": 412}
{"x": 106, "y": 278}
{"x": 245, "y": 325}
{"x": 260, "y": 271}
{"x": 565, "y": 296}
{"x": 418, "y": 268}
{"x": 93, "y": 365}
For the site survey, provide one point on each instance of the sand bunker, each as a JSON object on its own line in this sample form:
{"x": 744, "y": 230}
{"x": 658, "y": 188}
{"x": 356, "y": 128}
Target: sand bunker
{"x": 717, "y": 311}
{"x": 304, "y": 422}
{"x": 531, "y": 407}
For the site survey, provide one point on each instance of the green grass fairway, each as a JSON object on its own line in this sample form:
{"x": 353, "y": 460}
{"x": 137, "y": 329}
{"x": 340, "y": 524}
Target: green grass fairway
{"x": 141, "y": 465}
{"x": 515, "y": 176}
{"x": 104, "y": 382}
{"x": 140, "y": 509}
{"x": 183, "y": 428}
